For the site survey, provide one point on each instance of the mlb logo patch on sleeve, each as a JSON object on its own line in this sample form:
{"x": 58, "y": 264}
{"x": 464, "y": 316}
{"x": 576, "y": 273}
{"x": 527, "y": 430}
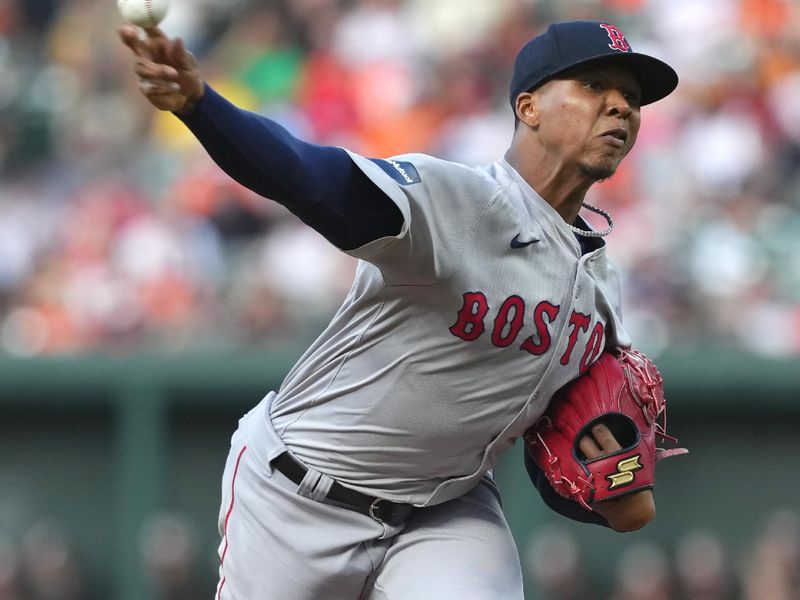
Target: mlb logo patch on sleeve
{"x": 403, "y": 173}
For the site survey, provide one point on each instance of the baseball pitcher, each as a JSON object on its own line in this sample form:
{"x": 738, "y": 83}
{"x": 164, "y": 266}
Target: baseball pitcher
{"x": 481, "y": 298}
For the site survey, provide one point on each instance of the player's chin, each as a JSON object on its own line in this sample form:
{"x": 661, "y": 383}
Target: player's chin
{"x": 599, "y": 170}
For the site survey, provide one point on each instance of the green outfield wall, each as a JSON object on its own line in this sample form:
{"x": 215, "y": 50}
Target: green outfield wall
{"x": 99, "y": 444}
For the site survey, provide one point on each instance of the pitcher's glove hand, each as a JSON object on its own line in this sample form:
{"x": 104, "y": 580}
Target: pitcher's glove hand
{"x": 624, "y": 391}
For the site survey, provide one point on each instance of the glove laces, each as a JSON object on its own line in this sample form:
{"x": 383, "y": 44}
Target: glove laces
{"x": 574, "y": 489}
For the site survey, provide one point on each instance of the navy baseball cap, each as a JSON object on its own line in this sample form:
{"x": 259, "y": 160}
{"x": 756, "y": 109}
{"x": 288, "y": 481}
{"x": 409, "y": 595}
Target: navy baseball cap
{"x": 572, "y": 43}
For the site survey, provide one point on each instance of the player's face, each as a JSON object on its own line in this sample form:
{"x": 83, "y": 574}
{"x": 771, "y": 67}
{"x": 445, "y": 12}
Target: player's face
{"x": 590, "y": 117}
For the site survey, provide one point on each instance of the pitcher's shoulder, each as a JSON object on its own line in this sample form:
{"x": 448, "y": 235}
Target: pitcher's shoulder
{"x": 418, "y": 167}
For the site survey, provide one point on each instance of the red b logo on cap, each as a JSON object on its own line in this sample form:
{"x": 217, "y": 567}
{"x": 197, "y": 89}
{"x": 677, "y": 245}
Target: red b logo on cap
{"x": 618, "y": 41}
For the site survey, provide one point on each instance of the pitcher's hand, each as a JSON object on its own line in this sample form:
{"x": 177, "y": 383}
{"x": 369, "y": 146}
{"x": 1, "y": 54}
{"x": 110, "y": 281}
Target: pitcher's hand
{"x": 626, "y": 513}
{"x": 168, "y": 73}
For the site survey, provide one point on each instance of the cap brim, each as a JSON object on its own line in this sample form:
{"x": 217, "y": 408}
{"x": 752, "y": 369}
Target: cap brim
{"x": 656, "y": 77}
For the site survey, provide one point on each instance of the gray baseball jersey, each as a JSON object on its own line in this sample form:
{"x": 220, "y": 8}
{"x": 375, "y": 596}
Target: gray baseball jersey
{"x": 453, "y": 338}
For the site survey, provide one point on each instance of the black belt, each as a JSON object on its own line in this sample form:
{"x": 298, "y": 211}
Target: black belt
{"x": 383, "y": 511}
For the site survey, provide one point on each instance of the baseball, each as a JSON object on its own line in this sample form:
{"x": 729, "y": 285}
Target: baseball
{"x": 144, "y": 13}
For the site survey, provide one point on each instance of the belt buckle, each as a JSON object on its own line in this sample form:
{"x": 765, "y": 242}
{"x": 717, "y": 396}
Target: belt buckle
{"x": 373, "y": 507}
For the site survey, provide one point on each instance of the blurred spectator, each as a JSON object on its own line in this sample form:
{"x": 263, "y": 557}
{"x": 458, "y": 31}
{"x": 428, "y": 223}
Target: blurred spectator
{"x": 10, "y": 585}
{"x": 553, "y": 562}
{"x": 49, "y": 566}
{"x": 702, "y": 568}
{"x": 168, "y": 548}
{"x": 773, "y": 569}
{"x": 643, "y": 573}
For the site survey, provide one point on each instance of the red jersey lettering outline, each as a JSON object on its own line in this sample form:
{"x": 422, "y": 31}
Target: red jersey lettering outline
{"x": 579, "y": 322}
{"x": 543, "y": 345}
{"x": 593, "y": 346}
{"x": 514, "y": 325}
{"x": 469, "y": 324}
{"x": 510, "y": 319}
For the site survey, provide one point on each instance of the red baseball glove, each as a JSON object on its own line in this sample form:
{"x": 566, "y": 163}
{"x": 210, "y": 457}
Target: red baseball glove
{"x": 623, "y": 390}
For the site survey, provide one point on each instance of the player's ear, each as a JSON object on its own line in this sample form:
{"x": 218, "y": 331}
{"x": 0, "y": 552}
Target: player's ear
{"x": 527, "y": 110}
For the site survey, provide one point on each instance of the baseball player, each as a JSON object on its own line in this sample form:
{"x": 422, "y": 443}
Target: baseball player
{"x": 479, "y": 293}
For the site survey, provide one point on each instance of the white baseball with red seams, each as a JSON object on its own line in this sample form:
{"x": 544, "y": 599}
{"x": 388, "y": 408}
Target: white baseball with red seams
{"x": 144, "y": 13}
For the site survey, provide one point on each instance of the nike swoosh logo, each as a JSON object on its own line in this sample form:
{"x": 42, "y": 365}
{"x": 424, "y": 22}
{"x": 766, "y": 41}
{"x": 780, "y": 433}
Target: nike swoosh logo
{"x": 515, "y": 243}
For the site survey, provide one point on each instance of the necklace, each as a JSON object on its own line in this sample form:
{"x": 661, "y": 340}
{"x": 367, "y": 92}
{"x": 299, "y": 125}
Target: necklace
{"x": 589, "y": 232}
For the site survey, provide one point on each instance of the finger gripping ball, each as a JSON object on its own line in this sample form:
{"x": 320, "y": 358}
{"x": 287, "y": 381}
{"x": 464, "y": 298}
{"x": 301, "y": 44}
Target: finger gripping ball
{"x": 144, "y": 13}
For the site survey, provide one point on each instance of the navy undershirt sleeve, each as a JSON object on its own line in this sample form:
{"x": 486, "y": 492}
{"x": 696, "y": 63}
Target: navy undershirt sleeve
{"x": 320, "y": 184}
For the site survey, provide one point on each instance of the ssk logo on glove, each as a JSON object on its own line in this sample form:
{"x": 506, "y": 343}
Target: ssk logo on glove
{"x": 625, "y": 472}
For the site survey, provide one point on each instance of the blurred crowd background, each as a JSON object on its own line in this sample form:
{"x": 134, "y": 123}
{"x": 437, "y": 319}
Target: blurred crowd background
{"x": 45, "y": 566}
{"x": 698, "y": 567}
{"x": 118, "y": 234}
